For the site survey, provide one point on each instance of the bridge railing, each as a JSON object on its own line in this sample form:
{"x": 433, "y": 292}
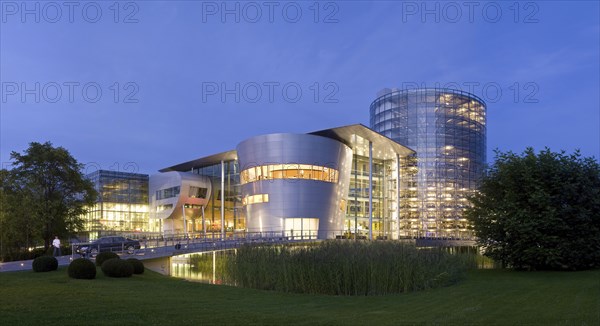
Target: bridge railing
{"x": 162, "y": 245}
{"x": 168, "y": 244}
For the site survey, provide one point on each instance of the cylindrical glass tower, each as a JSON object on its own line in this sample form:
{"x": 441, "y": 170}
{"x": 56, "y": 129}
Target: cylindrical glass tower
{"x": 447, "y": 130}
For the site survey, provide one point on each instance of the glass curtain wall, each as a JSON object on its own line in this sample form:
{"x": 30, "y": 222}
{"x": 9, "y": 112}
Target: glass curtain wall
{"x": 384, "y": 198}
{"x": 122, "y": 205}
{"x": 447, "y": 129}
{"x": 408, "y": 213}
{"x": 357, "y": 211}
{"x": 235, "y": 216}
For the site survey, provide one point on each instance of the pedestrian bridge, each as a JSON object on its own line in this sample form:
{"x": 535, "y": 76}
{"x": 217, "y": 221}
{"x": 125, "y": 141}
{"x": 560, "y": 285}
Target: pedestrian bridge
{"x": 157, "y": 253}
{"x": 158, "y": 258}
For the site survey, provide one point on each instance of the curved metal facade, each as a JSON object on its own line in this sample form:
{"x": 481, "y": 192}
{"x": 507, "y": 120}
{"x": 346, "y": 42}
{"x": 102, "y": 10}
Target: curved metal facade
{"x": 179, "y": 197}
{"x": 447, "y": 129}
{"x": 292, "y": 181}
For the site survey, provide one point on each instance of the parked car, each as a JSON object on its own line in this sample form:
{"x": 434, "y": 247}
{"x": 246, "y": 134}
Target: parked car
{"x": 115, "y": 244}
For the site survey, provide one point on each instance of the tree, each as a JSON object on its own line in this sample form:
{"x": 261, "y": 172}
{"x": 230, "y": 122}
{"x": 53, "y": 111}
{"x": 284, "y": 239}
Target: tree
{"x": 17, "y": 227}
{"x": 48, "y": 191}
{"x": 540, "y": 211}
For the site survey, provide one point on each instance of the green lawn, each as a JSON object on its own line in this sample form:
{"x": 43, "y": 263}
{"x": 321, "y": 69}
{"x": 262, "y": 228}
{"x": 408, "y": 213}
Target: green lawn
{"x": 486, "y": 297}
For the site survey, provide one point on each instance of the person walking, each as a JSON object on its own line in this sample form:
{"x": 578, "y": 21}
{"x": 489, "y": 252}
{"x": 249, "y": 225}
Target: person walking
{"x": 56, "y": 246}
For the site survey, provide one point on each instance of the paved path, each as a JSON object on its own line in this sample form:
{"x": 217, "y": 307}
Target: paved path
{"x": 23, "y": 265}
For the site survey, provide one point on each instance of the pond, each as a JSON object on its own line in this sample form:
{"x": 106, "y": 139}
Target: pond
{"x": 210, "y": 267}
{"x": 206, "y": 267}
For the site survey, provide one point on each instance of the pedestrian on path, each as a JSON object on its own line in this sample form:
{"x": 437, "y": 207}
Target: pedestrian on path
{"x": 56, "y": 246}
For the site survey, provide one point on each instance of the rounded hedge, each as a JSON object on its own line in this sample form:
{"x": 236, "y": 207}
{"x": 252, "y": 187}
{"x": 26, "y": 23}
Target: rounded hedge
{"x": 104, "y": 256}
{"x": 44, "y": 264}
{"x": 82, "y": 268}
{"x": 116, "y": 267}
{"x": 138, "y": 266}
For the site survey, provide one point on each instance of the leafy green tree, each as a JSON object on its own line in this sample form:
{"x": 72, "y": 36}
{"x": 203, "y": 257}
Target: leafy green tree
{"x": 49, "y": 193}
{"x": 17, "y": 227}
{"x": 540, "y": 211}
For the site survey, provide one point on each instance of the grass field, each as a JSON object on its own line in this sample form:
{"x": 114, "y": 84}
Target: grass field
{"x": 486, "y": 297}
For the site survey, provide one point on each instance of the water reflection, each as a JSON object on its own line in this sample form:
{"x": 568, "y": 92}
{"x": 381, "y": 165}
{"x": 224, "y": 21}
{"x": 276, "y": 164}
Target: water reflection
{"x": 474, "y": 253}
{"x": 206, "y": 267}
{"x": 211, "y": 266}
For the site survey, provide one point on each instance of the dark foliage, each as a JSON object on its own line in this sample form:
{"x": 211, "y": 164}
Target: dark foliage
{"x": 116, "y": 267}
{"x": 540, "y": 211}
{"x": 138, "y": 266}
{"x": 82, "y": 268}
{"x": 45, "y": 264}
{"x": 104, "y": 256}
{"x": 42, "y": 196}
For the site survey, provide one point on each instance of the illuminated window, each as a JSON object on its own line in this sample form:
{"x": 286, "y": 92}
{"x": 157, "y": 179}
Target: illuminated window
{"x": 255, "y": 199}
{"x": 301, "y": 227}
{"x": 290, "y": 171}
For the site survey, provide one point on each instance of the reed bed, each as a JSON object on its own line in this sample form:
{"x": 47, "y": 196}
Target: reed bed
{"x": 346, "y": 268}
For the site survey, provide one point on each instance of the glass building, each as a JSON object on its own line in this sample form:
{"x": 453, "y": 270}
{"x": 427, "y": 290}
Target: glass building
{"x": 447, "y": 129}
{"x": 227, "y": 196}
{"x": 223, "y": 212}
{"x": 121, "y": 207}
{"x": 336, "y": 182}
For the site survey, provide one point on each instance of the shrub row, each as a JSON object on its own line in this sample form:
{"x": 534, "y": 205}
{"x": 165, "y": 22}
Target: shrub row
{"x": 82, "y": 268}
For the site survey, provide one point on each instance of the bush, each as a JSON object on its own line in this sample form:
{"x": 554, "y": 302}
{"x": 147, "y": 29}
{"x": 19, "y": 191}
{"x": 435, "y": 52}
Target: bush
{"x": 45, "y": 264}
{"x": 82, "y": 268}
{"x": 138, "y": 266}
{"x": 116, "y": 267}
{"x": 104, "y": 256}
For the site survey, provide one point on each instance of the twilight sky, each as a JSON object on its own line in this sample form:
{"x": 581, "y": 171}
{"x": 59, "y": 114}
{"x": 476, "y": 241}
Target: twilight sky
{"x": 142, "y": 85}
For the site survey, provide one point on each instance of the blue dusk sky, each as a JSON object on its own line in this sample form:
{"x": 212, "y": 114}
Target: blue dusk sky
{"x": 143, "y": 85}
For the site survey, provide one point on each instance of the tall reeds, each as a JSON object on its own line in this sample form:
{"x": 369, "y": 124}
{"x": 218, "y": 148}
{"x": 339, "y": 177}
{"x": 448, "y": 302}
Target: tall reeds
{"x": 346, "y": 268}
